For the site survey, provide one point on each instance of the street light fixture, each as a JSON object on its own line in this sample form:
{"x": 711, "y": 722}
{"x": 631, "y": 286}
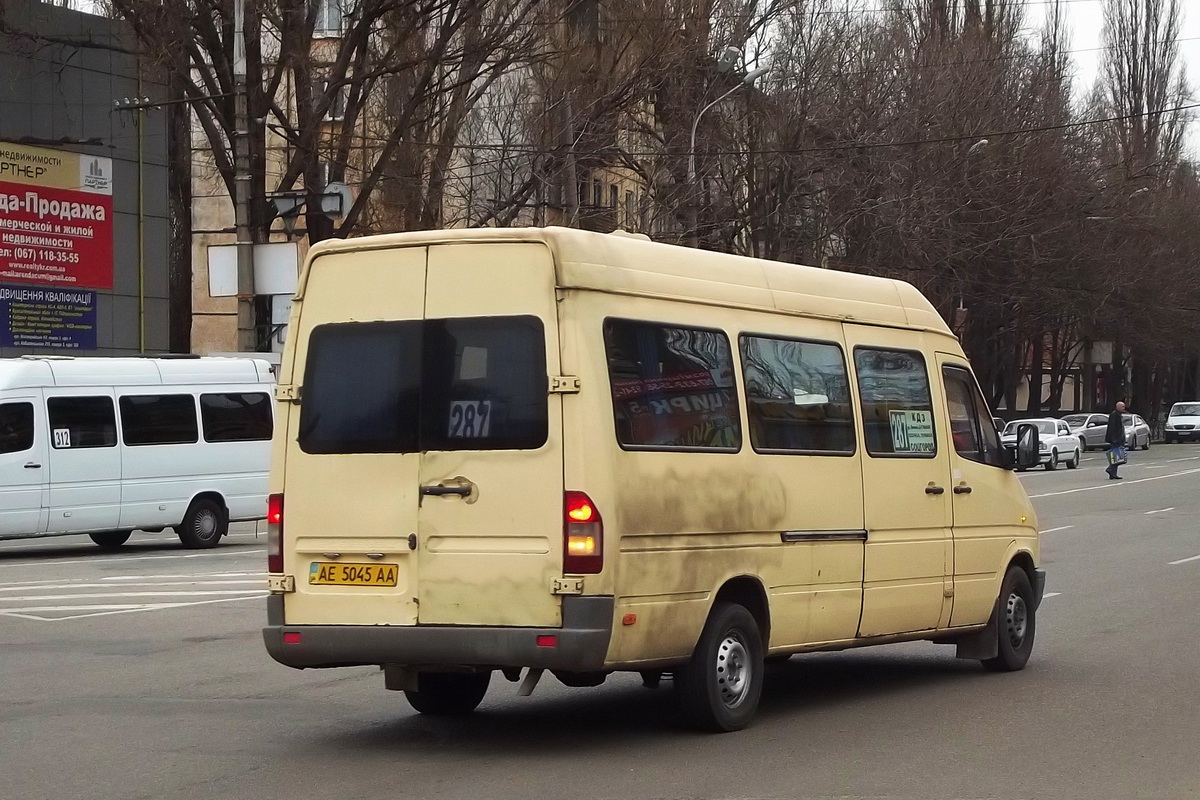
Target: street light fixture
{"x": 748, "y": 79}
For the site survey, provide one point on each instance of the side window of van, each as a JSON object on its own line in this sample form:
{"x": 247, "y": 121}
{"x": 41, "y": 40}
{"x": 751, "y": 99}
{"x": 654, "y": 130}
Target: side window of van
{"x": 672, "y": 387}
{"x": 893, "y": 386}
{"x": 16, "y": 427}
{"x": 974, "y": 436}
{"x": 236, "y": 416}
{"x": 797, "y": 396}
{"x": 158, "y": 419}
{"x": 77, "y": 422}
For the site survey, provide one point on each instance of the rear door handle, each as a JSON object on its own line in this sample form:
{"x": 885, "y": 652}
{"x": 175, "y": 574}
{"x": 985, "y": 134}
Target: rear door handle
{"x": 32, "y": 465}
{"x": 933, "y": 489}
{"x": 438, "y": 489}
{"x": 962, "y": 489}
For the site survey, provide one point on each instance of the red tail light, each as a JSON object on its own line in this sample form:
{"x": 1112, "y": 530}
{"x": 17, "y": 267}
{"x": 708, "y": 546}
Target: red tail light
{"x": 275, "y": 533}
{"x": 583, "y": 535}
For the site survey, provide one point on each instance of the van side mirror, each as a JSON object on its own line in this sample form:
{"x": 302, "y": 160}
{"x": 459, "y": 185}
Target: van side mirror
{"x": 1028, "y": 453}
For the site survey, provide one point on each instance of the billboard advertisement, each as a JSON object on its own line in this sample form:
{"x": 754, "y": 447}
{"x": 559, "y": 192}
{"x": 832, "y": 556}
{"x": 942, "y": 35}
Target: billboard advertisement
{"x": 56, "y": 218}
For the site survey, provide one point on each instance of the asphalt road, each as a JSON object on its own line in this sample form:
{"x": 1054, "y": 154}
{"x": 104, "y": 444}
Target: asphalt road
{"x": 141, "y": 674}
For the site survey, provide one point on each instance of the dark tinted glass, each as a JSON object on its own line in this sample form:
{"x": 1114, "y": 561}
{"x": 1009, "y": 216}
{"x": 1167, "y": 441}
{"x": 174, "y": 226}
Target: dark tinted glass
{"x": 159, "y": 419}
{"x": 16, "y": 427}
{"x": 236, "y": 416}
{"x": 403, "y": 387}
{"x": 484, "y": 384}
{"x": 797, "y": 396}
{"x": 77, "y": 422}
{"x": 897, "y": 410}
{"x": 673, "y": 388}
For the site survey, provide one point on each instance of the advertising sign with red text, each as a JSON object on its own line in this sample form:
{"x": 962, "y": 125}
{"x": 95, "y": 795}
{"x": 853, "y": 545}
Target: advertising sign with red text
{"x": 56, "y": 218}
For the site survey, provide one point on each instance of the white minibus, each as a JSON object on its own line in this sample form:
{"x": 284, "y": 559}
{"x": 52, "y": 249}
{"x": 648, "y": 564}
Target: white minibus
{"x": 106, "y": 446}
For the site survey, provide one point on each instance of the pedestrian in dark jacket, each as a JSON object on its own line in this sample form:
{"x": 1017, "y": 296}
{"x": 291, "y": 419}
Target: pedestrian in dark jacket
{"x": 1114, "y": 435}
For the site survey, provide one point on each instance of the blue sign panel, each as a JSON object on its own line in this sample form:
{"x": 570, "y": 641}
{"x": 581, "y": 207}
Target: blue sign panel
{"x": 35, "y": 317}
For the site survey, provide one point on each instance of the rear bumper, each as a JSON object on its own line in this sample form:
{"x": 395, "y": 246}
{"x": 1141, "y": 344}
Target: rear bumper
{"x": 582, "y": 642}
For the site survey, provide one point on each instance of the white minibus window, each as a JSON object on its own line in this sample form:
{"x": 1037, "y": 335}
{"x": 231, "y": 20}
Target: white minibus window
{"x": 897, "y": 407}
{"x": 16, "y": 427}
{"x": 236, "y": 416}
{"x": 77, "y": 422}
{"x": 159, "y": 419}
{"x": 797, "y": 396}
{"x": 672, "y": 388}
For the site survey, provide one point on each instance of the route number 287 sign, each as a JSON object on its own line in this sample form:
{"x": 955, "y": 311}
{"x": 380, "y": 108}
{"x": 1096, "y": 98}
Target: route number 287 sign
{"x": 912, "y": 431}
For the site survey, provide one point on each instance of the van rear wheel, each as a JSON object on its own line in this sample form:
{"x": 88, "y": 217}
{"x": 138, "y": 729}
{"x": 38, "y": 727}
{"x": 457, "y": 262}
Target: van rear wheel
{"x": 111, "y": 539}
{"x": 203, "y": 525}
{"x": 719, "y": 688}
{"x": 447, "y": 694}
{"x": 1016, "y": 623}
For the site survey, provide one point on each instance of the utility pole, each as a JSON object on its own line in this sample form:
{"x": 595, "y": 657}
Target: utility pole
{"x": 247, "y": 338}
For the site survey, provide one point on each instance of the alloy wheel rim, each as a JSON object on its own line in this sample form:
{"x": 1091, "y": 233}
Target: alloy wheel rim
{"x": 1017, "y": 617}
{"x": 733, "y": 670}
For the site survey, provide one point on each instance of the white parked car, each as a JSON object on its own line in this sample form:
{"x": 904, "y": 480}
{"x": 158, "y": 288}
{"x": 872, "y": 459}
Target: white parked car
{"x": 1183, "y": 423}
{"x": 1055, "y": 439}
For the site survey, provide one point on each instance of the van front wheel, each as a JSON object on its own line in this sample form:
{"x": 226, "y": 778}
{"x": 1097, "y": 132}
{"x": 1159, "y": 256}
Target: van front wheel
{"x": 720, "y": 686}
{"x": 111, "y": 539}
{"x": 447, "y": 694}
{"x": 1016, "y": 623}
{"x": 203, "y": 525}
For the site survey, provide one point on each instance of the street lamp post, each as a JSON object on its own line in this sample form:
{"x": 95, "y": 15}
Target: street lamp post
{"x": 747, "y": 80}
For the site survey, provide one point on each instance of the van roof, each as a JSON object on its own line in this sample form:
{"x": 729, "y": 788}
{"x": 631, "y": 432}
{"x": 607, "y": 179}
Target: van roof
{"x": 630, "y": 264}
{"x": 28, "y": 372}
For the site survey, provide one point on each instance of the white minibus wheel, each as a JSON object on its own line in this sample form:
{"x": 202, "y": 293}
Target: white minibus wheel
{"x": 203, "y": 525}
{"x": 111, "y": 539}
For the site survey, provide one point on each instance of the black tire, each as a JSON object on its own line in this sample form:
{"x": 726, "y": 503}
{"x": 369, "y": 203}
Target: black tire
{"x": 1052, "y": 464}
{"x": 203, "y": 525}
{"x": 1168, "y": 440}
{"x": 1016, "y": 623}
{"x": 1146, "y": 446}
{"x": 719, "y": 688}
{"x": 1074, "y": 462}
{"x": 111, "y": 539}
{"x": 448, "y": 694}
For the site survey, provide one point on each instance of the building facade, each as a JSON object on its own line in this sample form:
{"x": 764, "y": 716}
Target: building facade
{"x": 84, "y": 227}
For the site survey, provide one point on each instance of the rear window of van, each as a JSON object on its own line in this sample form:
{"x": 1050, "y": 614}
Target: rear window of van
{"x": 474, "y": 383}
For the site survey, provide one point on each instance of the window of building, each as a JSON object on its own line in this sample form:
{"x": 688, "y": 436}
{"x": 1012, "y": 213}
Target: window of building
{"x": 797, "y": 396}
{"x": 893, "y": 386}
{"x": 331, "y": 17}
{"x": 631, "y": 215}
{"x": 598, "y": 193}
{"x": 672, "y": 387}
{"x": 16, "y": 427}
{"x": 339, "y": 96}
{"x": 79, "y": 422}
{"x": 613, "y": 194}
{"x": 159, "y": 419}
{"x": 236, "y": 416}
{"x": 446, "y": 384}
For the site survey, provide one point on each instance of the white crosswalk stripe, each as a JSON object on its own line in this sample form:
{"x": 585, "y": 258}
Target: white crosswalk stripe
{"x": 57, "y": 600}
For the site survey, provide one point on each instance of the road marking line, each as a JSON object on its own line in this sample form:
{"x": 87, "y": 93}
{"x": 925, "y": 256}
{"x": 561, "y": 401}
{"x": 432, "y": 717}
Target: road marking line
{"x": 1189, "y": 458}
{"x": 30, "y": 614}
{"x": 1183, "y": 561}
{"x": 1059, "y": 528}
{"x": 1161, "y": 510}
{"x": 43, "y": 587}
{"x": 1113, "y": 486}
{"x": 52, "y": 563}
{"x": 201, "y": 592}
{"x": 189, "y": 575}
{"x": 1048, "y": 595}
{"x": 1156, "y": 466}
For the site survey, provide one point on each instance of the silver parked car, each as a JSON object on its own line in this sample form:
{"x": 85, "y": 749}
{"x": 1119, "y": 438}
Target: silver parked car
{"x": 1137, "y": 432}
{"x": 1089, "y": 428}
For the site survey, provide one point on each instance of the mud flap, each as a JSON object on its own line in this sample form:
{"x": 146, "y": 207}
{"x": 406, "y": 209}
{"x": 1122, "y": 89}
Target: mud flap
{"x": 981, "y": 644}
